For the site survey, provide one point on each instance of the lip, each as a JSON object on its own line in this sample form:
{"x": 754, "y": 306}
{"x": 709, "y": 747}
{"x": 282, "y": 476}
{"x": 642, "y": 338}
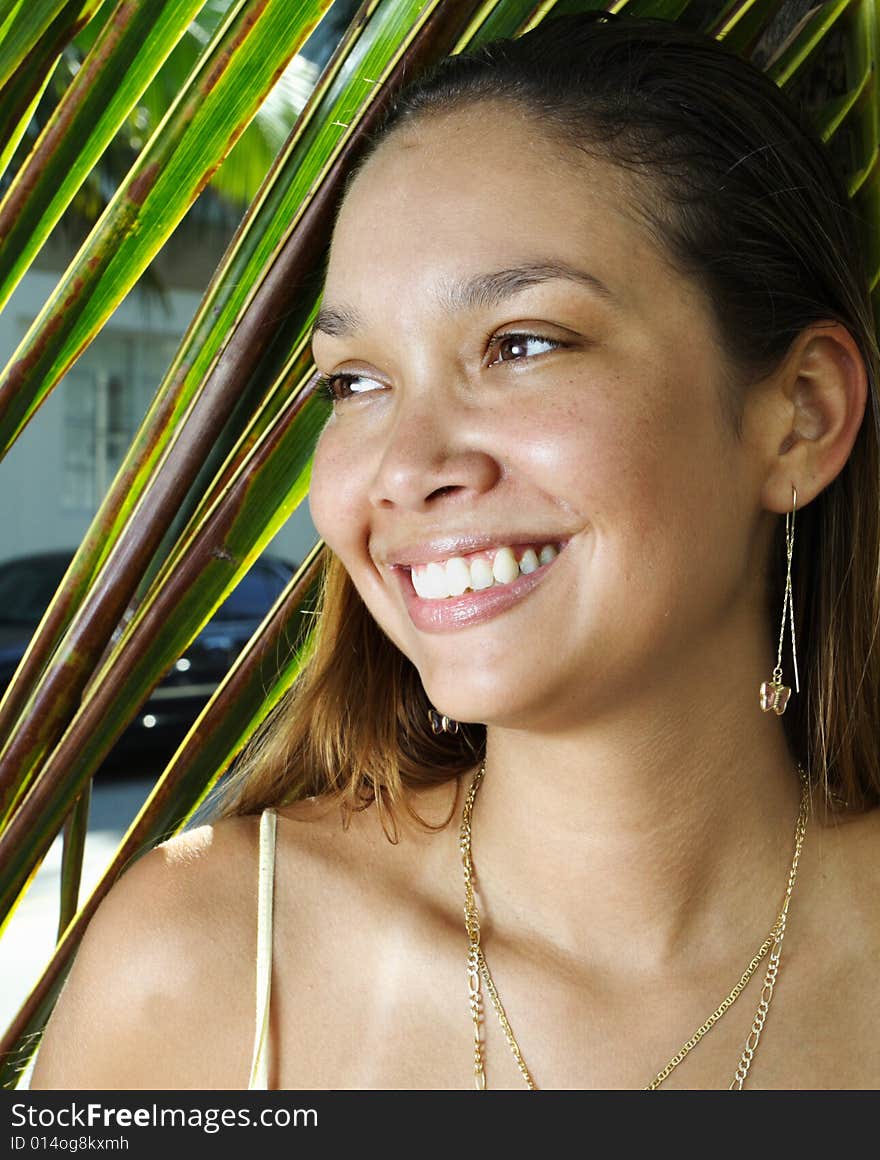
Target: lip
{"x": 452, "y": 612}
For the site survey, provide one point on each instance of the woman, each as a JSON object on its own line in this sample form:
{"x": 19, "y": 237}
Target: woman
{"x": 600, "y": 486}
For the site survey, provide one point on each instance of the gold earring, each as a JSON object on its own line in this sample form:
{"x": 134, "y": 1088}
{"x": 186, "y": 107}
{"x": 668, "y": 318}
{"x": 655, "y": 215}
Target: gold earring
{"x": 440, "y": 723}
{"x": 773, "y": 694}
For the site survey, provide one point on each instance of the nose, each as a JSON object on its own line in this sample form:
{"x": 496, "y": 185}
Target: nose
{"x": 429, "y": 453}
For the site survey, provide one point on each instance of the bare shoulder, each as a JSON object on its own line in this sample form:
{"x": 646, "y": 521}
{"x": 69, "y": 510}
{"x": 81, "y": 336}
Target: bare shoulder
{"x": 363, "y": 850}
{"x": 162, "y": 992}
{"x": 170, "y": 946}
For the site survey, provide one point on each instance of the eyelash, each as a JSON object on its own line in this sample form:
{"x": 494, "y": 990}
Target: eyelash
{"x": 323, "y": 384}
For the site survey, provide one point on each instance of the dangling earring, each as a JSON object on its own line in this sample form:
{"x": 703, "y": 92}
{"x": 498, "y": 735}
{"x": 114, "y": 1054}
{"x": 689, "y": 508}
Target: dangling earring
{"x": 440, "y": 723}
{"x": 773, "y": 694}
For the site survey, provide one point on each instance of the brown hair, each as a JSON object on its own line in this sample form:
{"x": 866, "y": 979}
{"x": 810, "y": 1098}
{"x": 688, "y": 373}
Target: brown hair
{"x": 743, "y": 196}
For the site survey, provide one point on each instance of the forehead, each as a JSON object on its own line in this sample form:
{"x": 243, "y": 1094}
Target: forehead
{"x": 480, "y": 189}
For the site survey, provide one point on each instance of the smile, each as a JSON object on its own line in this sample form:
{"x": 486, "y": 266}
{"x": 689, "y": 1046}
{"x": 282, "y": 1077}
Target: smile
{"x": 466, "y": 590}
{"x": 477, "y": 571}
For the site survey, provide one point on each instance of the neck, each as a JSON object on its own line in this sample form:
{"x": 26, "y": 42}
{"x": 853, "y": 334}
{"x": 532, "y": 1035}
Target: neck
{"x": 667, "y": 827}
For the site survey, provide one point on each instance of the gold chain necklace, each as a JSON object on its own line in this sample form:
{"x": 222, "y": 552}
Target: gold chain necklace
{"x": 478, "y": 969}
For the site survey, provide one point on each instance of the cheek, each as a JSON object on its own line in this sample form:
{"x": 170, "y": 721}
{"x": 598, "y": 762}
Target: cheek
{"x": 597, "y": 451}
{"x": 636, "y": 458}
{"x": 335, "y": 492}
{"x": 662, "y": 478}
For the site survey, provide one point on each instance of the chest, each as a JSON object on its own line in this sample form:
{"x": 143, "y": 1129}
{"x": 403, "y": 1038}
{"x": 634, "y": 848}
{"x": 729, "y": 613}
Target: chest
{"x": 385, "y": 1005}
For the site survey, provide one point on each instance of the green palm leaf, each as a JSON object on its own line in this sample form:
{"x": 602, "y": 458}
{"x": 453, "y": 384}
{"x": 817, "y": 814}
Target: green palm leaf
{"x": 132, "y": 45}
{"x": 32, "y": 35}
{"x": 222, "y": 95}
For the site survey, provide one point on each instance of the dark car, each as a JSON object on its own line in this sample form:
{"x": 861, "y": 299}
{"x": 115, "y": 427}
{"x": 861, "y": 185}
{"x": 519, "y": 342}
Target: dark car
{"x": 27, "y": 585}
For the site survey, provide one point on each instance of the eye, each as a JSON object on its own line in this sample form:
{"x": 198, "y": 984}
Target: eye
{"x": 336, "y": 388}
{"x": 519, "y": 339}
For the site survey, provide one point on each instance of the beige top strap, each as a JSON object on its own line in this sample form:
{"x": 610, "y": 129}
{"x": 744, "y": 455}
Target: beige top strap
{"x": 265, "y": 890}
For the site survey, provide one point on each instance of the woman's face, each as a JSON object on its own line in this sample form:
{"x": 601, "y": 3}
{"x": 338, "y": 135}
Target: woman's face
{"x": 457, "y": 435}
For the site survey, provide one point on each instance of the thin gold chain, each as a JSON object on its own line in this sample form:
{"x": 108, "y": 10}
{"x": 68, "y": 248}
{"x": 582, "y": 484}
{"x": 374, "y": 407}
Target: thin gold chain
{"x": 478, "y": 968}
{"x": 714, "y": 1017}
{"x": 754, "y": 1035}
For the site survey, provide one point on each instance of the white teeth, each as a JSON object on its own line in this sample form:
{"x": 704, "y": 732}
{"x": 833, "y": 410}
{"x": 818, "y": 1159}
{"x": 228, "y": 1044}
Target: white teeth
{"x": 529, "y": 561}
{"x": 458, "y": 576}
{"x": 454, "y": 577}
{"x": 504, "y": 566}
{"x": 419, "y": 582}
{"x": 481, "y": 574}
{"x": 437, "y": 584}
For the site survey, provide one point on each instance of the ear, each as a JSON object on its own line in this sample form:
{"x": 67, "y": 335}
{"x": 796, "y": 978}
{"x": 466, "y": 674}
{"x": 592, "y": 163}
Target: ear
{"x": 803, "y": 420}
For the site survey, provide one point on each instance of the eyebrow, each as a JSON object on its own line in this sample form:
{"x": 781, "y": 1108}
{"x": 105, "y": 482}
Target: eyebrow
{"x": 477, "y": 290}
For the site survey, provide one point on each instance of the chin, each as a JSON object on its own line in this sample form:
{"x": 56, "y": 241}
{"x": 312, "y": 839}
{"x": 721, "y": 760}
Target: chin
{"x": 506, "y": 709}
